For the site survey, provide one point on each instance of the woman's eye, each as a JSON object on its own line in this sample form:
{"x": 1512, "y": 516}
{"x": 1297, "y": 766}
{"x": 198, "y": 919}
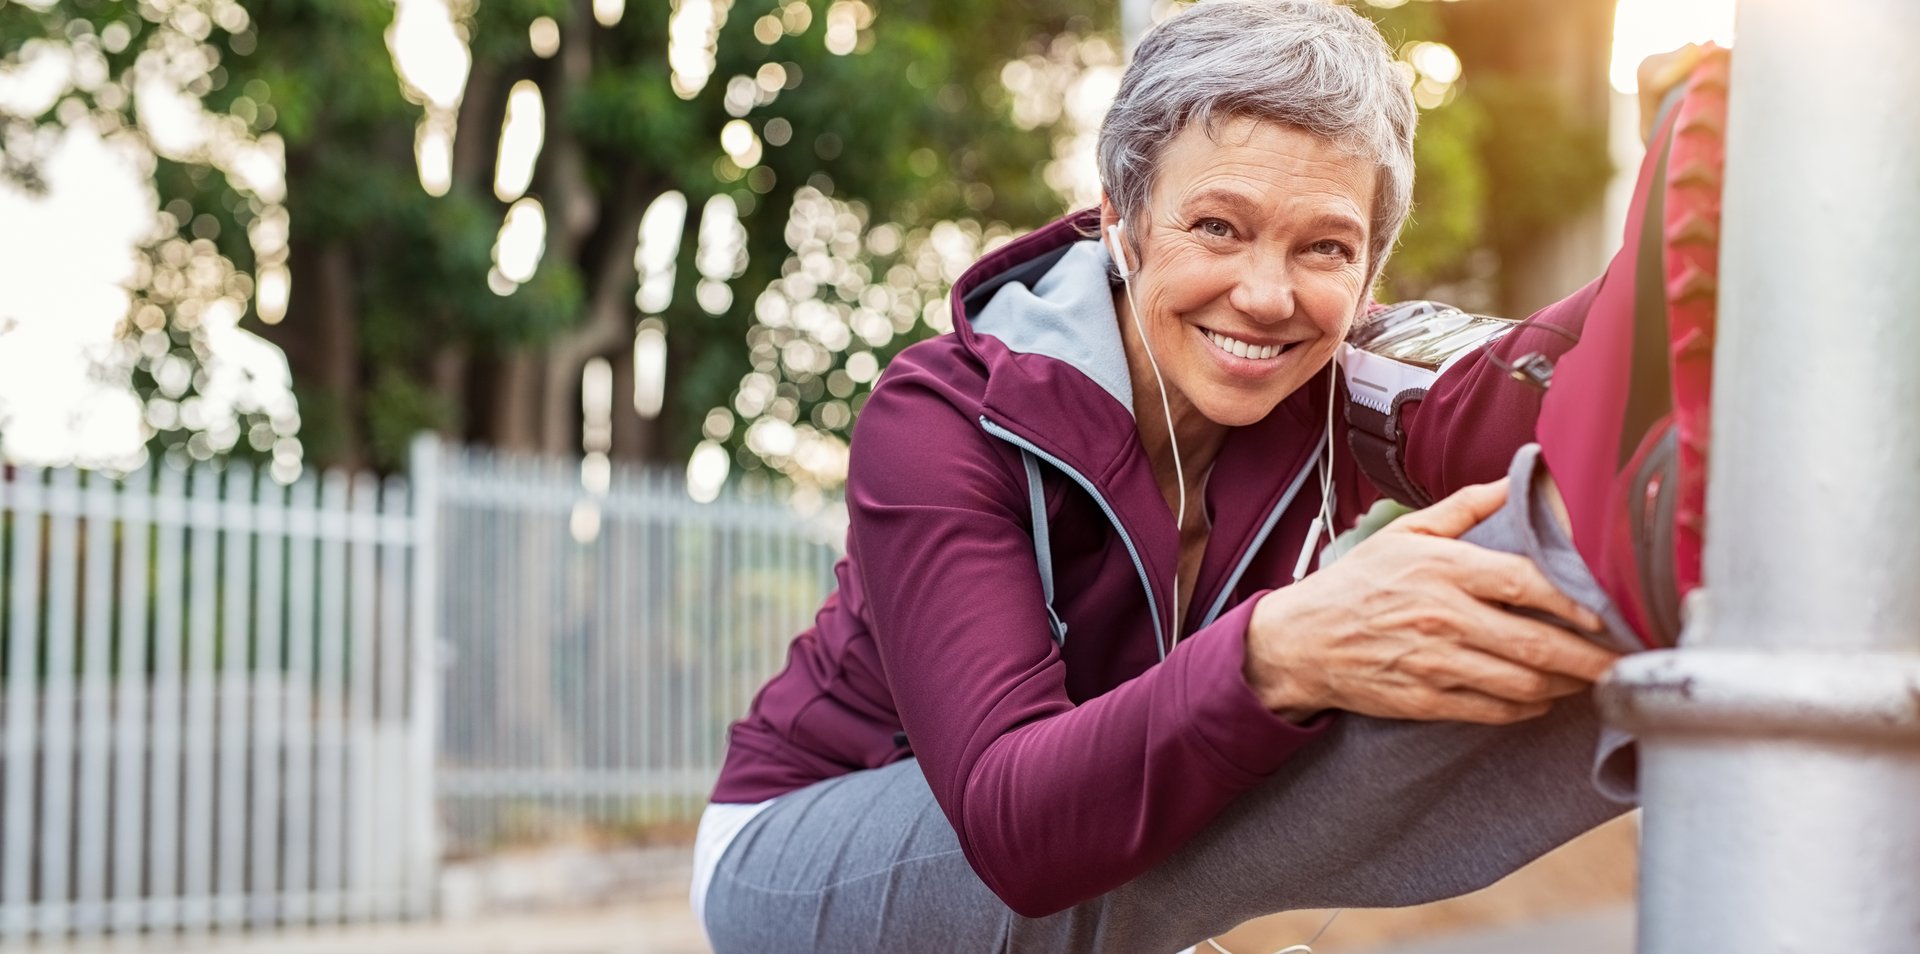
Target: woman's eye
{"x": 1331, "y": 247}
{"x": 1214, "y": 227}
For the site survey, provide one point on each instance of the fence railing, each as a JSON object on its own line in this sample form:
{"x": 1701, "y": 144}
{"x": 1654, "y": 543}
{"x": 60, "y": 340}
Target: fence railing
{"x": 209, "y": 712}
{"x": 598, "y": 643}
{"x": 226, "y": 703}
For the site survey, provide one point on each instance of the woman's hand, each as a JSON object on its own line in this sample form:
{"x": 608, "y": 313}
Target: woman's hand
{"x": 1413, "y": 624}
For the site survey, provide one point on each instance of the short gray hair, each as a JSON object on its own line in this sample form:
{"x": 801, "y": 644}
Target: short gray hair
{"x": 1307, "y": 63}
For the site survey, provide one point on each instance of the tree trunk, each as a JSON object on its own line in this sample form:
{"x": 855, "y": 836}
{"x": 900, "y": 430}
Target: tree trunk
{"x": 449, "y": 376}
{"x": 516, "y": 401}
{"x": 1567, "y": 44}
{"x": 319, "y": 336}
{"x": 609, "y": 320}
{"x": 635, "y": 439}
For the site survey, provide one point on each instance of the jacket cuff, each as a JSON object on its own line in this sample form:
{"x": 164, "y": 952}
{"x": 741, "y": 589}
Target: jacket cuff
{"x": 1239, "y": 735}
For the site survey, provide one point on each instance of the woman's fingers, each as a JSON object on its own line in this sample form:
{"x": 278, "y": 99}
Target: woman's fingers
{"x": 1534, "y": 644}
{"x": 1464, "y": 667}
{"x": 1456, "y": 514}
{"x": 1490, "y": 675}
{"x": 1467, "y": 705}
{"x": 1516, "y": 581}
{"x": 1417, "y": 624}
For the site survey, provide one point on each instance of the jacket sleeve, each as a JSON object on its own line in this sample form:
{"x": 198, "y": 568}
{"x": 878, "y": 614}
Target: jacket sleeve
{"x": 1468, "y": 426}
{"x": 1054, "y": 803}
{"x": 1476, "y": 415}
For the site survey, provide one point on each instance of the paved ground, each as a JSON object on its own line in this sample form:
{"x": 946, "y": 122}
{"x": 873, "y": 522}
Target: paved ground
{"x": 656, "y": 929}
{"x": 652, "y": 927}
{"x": 1576, "y": 900}
{"x": 1607, "y": 931}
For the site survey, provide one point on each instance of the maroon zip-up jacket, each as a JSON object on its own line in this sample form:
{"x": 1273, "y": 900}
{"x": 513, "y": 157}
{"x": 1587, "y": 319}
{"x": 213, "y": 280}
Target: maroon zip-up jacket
{"x": 1068, "y": 769}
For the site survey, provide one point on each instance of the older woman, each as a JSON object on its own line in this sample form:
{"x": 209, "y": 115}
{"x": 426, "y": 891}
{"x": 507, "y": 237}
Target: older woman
{"x": 1064, "y": 698}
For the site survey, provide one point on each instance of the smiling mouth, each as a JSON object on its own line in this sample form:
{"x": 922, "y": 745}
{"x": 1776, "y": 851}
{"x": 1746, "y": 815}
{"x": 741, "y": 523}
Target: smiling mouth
{"x": 1244, "y": 349}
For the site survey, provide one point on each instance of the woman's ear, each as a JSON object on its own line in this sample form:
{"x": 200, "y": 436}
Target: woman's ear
{"x": 1114, "y": 235}
{"x": 1109, "y": 215}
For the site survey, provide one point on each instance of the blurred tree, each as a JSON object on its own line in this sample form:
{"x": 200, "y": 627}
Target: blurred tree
{"x": 744, "y": 207}
{"x": 403, "y": 313}
{"x": 1539, "y": 67}
{"x": 1512, "y": 146}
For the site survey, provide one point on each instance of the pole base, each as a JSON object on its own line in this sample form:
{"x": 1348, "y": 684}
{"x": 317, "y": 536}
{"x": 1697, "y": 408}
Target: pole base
{"x": 1783, "y": 799}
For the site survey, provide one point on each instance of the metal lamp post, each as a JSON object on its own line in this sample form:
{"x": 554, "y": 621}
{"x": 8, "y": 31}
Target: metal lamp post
{"x": 1780, "y": 755}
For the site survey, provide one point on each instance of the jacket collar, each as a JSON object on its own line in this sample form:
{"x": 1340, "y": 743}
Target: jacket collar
{"x": 1038, "y": 313}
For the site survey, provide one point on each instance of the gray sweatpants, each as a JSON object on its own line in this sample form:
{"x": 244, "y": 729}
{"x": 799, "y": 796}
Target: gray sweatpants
{"x": 1379, "y": 813}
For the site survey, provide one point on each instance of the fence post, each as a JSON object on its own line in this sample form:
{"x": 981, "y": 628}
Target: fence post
{"x": 423, "y": 841}
{"x": 1780, "y": 757}
{"x": 25, "y": 499}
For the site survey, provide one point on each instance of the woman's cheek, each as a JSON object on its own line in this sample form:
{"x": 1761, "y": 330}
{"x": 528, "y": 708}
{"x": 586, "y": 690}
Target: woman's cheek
{"x": 1335, "y": 302}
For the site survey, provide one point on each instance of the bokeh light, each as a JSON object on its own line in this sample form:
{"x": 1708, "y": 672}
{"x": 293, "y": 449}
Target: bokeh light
{"x": 521, "y": 136}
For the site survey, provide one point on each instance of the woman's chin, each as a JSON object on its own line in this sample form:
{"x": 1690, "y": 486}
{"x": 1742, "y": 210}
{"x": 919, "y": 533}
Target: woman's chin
{"x": 1238, "y": 410}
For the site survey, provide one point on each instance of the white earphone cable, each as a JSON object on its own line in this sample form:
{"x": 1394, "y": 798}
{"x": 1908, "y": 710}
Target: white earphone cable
{"x": 1306, "y": 948}
{"x": 1323, "y": 521}
{"x": 1166, "y": 407}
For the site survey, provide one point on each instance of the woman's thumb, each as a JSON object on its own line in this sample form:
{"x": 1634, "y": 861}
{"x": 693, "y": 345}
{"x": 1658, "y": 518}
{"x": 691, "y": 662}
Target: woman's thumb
{"x": 1459, "y": 512}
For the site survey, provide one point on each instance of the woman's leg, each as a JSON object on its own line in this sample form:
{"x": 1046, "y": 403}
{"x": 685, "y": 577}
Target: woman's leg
{"x": 1377, "y": 814}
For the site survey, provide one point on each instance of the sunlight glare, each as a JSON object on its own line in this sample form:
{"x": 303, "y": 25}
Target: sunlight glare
{"x": 1642, "y": 28}
{"x": 433, "y": 153}
{"x": 428, "y": 53}
{"x": 659, "y": 245}
{"x": 707, "y": 471}
{"x": 692, "y": 33}
{"x": 608, "y": 12}
{"x": 522, "y": 134}
{"x": 523, "y": 239}
{"x": 649, "y": 368}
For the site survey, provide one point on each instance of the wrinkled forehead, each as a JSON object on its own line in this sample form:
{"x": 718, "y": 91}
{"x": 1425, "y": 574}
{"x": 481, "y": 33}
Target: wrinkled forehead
{"x": 1254, "y": 166}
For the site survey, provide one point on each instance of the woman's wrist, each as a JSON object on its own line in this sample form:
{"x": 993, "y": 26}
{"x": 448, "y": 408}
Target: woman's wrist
{"x": 1271, "y": 675}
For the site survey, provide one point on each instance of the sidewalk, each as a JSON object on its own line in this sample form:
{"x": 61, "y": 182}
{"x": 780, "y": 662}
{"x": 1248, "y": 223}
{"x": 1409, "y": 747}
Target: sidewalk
{"x": 666, "y": 928}
{"x": 1576, "y": 900}
{"x": 655, "y": 926}
{"x": 1606, "y": 931}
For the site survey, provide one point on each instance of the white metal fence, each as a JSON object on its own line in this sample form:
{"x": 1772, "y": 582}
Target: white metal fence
{"x": 226, "y": 703}
{"x": 213, "y": 716}
{"x": 599, "y": 642}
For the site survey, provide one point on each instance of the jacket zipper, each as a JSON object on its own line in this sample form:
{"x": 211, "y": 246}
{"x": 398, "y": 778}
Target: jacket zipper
{"x": 1140, "y": 567}
{"x": 1239, "y": 570}
{"x": 1266, "y": 528}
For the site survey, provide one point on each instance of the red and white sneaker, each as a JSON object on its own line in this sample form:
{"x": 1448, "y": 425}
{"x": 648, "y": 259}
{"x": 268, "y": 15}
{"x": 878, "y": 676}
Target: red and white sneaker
{"x": 1625, "y": 427}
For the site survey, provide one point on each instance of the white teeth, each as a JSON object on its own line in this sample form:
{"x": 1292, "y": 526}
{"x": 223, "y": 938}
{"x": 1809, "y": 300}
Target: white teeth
{"x": 1235, "y": 346}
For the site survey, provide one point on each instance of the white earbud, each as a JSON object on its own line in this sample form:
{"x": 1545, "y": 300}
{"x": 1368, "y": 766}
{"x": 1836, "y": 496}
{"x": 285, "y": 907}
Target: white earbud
{"x": 1115, "y": 246}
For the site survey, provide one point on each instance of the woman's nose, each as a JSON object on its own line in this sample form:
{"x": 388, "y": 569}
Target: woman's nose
{"x": 1265, "y": 291}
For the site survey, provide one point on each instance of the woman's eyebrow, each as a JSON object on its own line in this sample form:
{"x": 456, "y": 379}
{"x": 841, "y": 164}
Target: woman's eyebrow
{"x": 1224, "y": 198}
{"x": 1233, "y": 201}
{"x": 1338, "y": 221}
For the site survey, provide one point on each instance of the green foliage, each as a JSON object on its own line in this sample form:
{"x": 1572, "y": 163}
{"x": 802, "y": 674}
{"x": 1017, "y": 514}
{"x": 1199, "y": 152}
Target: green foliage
{"x": 1500, "y": 162}
{"x": 1542, "y": 165}
{"x": 400, "y": 407}
{"x": 908, "y": 136}
{"x": 1450, "y": 206}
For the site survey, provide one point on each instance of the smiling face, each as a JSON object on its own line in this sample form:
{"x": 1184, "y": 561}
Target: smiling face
{"x": 1251, "y": 263}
